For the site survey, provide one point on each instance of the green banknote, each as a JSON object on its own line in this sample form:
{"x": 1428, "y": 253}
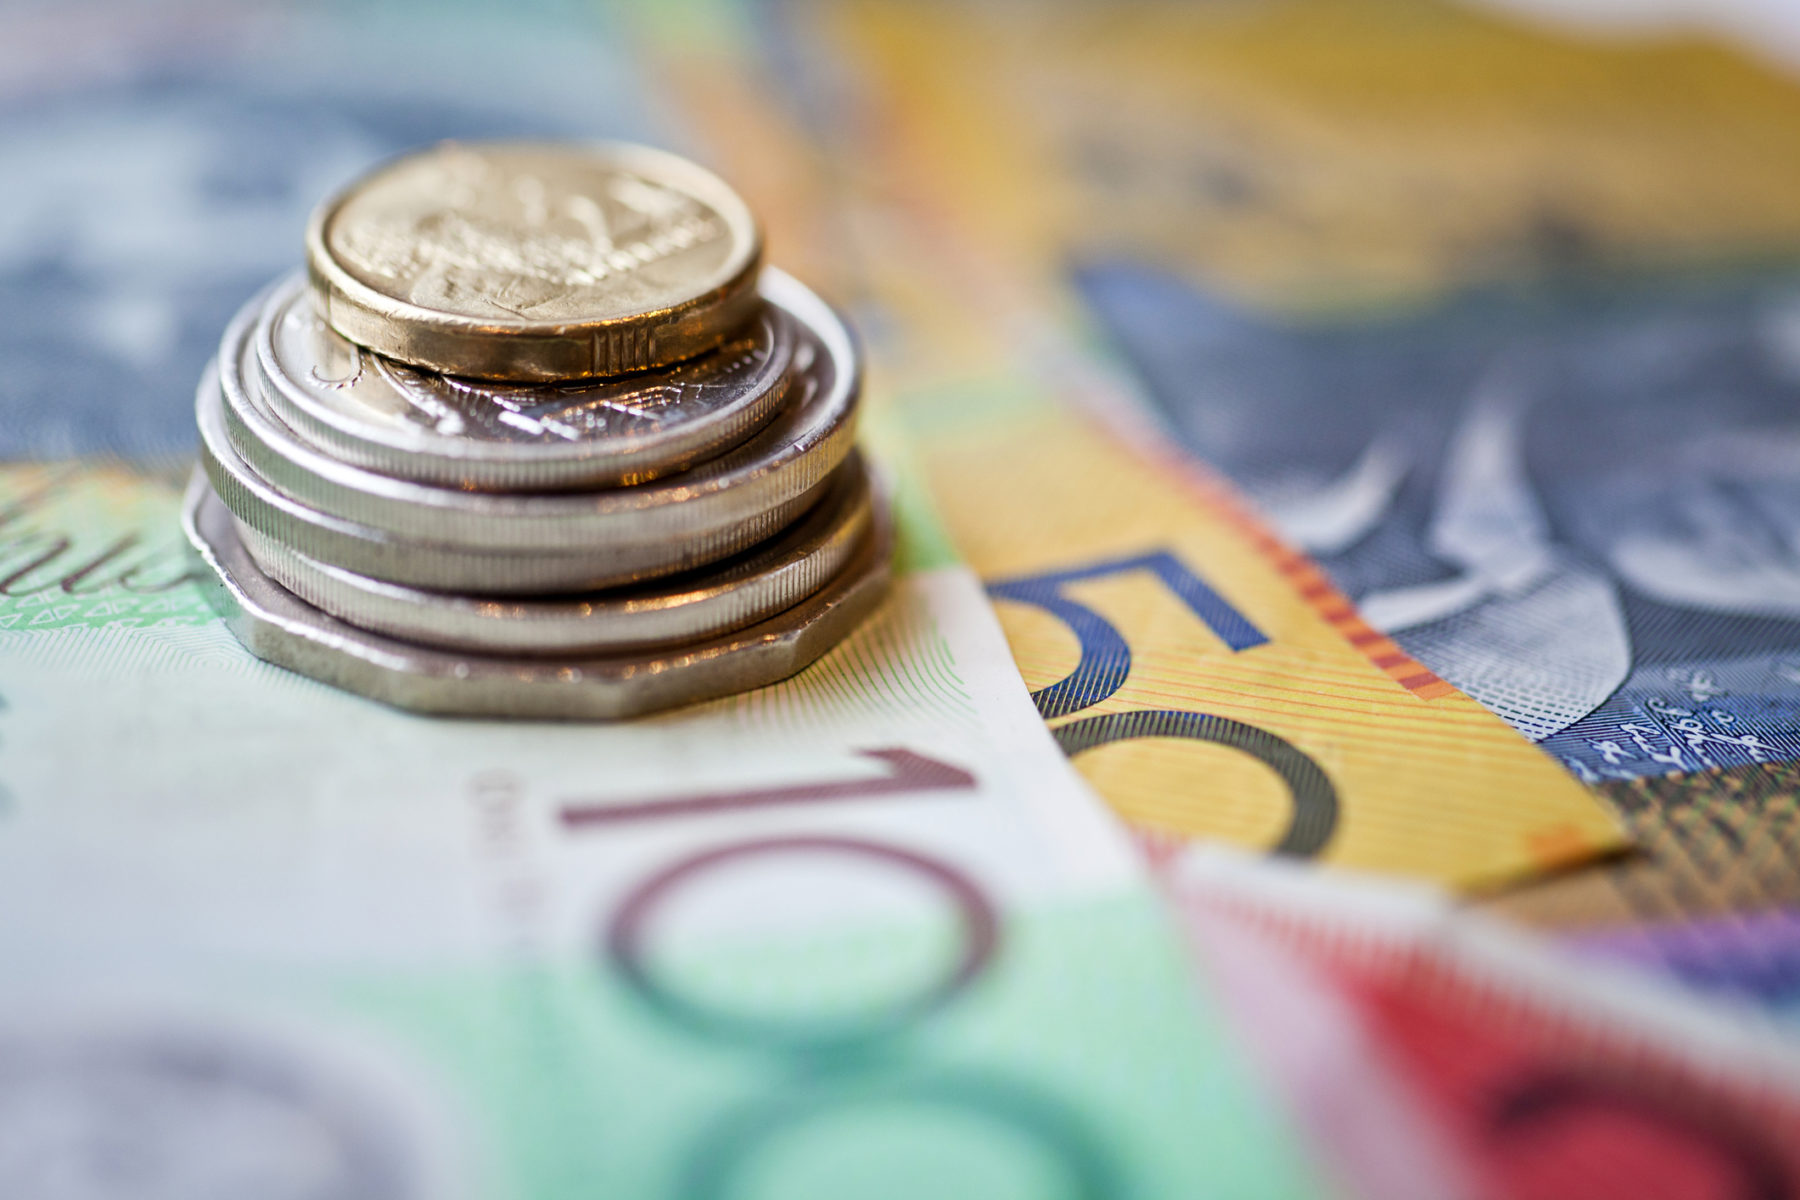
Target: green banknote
{"x": 863, "y": 933}
{"x": 859, "y": 933}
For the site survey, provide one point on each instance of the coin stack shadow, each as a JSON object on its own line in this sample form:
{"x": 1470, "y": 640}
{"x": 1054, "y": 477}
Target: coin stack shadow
{"x": 594, "y": 548}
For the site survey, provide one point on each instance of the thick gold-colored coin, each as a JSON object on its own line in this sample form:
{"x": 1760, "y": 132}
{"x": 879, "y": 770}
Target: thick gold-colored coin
{"x": 535, "y": 262}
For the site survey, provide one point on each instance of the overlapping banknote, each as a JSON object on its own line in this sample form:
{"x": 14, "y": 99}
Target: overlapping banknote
{"x": 1478, "y": 313}
{"x": 1436, "y": 1054}
{"x": 877, "y": 930}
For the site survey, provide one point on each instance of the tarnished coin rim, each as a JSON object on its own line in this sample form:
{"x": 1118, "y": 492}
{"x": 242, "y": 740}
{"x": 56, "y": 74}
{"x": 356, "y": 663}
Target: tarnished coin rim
{"x": 543, "y": 351}
{"x": 797, "y": 448}
{"x": 472, "y": 463}
{"x": 759, "y": 583}
{"x": 577, "y": 566}
{"x": 280, "y": 628}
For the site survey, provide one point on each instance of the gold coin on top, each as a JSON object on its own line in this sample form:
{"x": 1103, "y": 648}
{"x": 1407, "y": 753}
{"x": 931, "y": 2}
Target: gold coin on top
{"x": 535, "y": 262}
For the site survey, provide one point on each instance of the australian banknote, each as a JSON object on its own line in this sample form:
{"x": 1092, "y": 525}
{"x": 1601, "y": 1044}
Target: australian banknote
{"x": 1438, "y": 1055}
{"x": 1485, "y": 317}
{"x": 862, "y": 933}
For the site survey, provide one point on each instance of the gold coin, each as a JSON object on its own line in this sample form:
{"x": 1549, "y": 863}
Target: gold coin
{"x": 535, "y": 262}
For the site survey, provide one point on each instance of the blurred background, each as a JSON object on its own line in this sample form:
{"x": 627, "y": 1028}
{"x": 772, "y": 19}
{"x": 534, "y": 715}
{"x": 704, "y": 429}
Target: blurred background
{"x": 1490, "y": 308}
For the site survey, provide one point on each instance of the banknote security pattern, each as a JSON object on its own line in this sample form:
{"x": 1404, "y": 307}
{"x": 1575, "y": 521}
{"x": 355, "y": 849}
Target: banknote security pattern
{"x": 503, "y": 528}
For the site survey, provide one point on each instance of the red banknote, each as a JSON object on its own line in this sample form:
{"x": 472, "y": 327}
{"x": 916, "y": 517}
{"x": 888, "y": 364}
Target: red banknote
{"x": 1436, "y": 1055}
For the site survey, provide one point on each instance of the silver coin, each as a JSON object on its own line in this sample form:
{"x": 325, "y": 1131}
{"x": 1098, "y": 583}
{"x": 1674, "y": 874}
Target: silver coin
{"x": 577, "y": 566}
{"x": 753, "y": 586}
{"x": 278, "y": 626}
{"x": 482, "y": 435}
{"x": 785, "y": 460}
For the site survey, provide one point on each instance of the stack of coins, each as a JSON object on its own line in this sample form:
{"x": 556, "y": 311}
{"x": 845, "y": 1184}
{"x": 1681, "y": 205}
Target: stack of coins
{"x": 536, "y": 434}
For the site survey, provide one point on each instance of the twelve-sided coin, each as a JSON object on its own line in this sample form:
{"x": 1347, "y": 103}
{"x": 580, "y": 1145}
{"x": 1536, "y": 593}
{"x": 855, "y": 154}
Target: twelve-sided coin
{"x": 278, "y": 626}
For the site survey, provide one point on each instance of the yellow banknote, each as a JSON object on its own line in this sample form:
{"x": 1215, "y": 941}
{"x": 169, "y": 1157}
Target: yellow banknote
{"x": 1211, "y": 682}
{"x": 1318, "y": 154}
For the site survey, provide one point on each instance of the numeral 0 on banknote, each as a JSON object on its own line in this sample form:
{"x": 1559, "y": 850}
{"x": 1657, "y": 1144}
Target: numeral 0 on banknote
{"x": 1105, "y": 661}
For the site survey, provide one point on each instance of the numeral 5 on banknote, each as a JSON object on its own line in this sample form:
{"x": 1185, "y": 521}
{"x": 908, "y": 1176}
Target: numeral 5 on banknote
{"x": 1104, "y": 665}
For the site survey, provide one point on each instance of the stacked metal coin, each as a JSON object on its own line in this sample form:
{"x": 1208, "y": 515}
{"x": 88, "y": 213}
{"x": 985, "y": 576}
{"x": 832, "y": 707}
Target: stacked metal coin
{"x": 536, "y": 434}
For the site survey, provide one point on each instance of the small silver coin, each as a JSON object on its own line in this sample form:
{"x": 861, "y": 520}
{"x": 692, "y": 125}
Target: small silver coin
{"x": 773, "y": 470}
{"x": 577, "y": 566}
{"x": 278, "y": 626}
{"x": 481, "y": 435}
{"x": 751, "y": 587}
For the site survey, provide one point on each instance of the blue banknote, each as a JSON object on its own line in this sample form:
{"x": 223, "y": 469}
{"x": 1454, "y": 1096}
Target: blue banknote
{"x": 164, "y": 172}
{"x": 1579, "y": 504}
